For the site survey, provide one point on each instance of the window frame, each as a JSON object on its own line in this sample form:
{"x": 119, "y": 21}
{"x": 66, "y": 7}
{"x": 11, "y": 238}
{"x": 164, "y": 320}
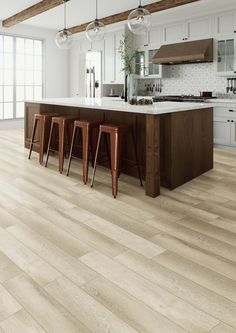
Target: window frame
{"x": 34, "y": 38}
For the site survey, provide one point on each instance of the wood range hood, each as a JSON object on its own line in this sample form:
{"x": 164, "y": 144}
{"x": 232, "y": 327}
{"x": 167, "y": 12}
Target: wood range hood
{"x": 185, "y": 53}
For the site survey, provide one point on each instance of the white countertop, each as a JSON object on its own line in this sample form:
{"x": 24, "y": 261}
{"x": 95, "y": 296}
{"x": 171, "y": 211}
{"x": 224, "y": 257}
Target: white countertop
{"x": 116, "y": 104}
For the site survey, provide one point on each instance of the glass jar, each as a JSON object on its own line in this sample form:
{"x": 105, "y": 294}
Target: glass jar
{"x": 133, "y": 88}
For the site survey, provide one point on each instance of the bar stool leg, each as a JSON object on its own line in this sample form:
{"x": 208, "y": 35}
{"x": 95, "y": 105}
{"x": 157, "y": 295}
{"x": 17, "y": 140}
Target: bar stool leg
{"x": 86, "y": 145}
{"x": 61, "y": 146}
{"x": 71, "y": 149}
{"x": 96, "y": 157}
{"x": 108, "y": 151}
{"x": 136, "y": 157}
{"x": 42, "y": 140}
{"x": 33, "y": 137}
{"x": 49, "y": 144}
{"x": 115, "y": 162}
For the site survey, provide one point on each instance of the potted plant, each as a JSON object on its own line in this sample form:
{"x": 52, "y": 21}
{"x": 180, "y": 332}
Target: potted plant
{"x": 130, "y": 67}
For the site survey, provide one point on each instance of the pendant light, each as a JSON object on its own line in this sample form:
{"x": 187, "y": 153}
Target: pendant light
{"x": 139, "y": 20}
{"x": 95, "y": 30}
{"x": 64, "y": 38}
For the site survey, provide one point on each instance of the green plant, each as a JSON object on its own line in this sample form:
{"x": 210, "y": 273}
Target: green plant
{"x": 128, "y": 57}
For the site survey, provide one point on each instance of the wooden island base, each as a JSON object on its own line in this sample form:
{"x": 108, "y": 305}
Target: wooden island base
{"x": 173, "y": 148}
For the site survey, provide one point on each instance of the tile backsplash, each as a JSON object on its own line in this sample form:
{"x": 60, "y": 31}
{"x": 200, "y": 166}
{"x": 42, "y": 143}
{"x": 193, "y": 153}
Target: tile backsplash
{"x": 189, "y": 79}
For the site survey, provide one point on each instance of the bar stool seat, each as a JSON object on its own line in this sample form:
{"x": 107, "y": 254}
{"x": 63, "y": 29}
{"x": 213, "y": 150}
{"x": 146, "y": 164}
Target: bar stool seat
{"x": 44, "y": 120}
{"x": 86, "y": 128}
{"x": 117, "y": 134}
{"x": 64, "y": 124}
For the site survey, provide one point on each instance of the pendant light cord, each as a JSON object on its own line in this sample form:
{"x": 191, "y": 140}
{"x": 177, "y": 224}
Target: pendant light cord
{"x": 65, "y": 15}
{"x": 96, "y": 9}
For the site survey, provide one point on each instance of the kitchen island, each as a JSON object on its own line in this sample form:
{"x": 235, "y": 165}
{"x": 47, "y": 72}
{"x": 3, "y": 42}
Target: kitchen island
{"x": 174, "y": 139}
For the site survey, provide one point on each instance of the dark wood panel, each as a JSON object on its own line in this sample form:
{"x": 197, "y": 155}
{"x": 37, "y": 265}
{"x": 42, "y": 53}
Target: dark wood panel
{"x": 154, "y": 7}
{"x": 152, "y": 155}
{"x": 31, "y": 11}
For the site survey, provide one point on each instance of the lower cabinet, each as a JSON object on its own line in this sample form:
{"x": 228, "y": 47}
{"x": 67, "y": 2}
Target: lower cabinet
{"x": 225, "y": 125}
{"x": 222, "y": 131}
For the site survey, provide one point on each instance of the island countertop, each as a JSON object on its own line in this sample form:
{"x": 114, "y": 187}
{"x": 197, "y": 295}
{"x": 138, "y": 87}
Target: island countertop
{"x": 115, "y": 104}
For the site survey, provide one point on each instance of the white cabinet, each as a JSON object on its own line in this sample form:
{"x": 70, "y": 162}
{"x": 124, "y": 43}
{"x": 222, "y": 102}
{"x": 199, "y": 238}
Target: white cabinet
{"x": 222, "y": 132}
{"x": 145, "y": 65}
{"x": 225, "y": 125}
{"x": 109, "y": 58}
{"x": 225, "y": 60}
{"x": 200, "y": 28}
{"x": 193, "y": 29}
{"x": 112, "y": 59}
{"x": 225, "y": 24}
{"x": 174, "y": 33}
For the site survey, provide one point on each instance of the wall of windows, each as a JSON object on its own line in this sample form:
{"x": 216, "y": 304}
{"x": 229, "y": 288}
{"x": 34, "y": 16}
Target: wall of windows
{"x": 21, "y": 74}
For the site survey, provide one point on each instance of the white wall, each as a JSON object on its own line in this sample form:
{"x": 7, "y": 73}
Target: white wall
{"x": 56, "y": 78}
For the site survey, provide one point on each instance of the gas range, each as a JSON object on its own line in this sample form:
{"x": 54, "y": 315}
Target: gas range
{"x": 181, "y": 98}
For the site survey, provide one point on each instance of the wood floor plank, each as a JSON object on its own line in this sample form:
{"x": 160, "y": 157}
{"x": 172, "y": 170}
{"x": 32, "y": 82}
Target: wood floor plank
{"x": 191, "y": 252}
{"x": 21, "y": 322}
{"x": 86, "y": 308}
{"x": 58, "y": 259}
{"x": 198, "y": 239}
{"x": 118, "y": 234}
{"x": 222, "y": 328}
{"x": 184, "y": 288}
{"x": 199, "y": 274}
{"x": 48, "y": 313}
{"x": 8, "y": 304}
{"x": 49, "y": 231}
{"x": 82, "y": 232}
{"x": 129, "y": 309}
{"x": 160, "y": 300}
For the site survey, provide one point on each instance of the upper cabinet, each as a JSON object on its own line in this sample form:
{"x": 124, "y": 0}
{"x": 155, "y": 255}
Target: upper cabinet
{"x": 225, "y": 44}
{"x": 201, "y": 28}
{"x": 112, "y": 62}
{"x": 174, "y": 33}
{"x": 194, "y": 29}
{"x": 225, "y": 24}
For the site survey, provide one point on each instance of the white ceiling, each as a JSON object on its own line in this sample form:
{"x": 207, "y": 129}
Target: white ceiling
{"x": 82, "y": 11}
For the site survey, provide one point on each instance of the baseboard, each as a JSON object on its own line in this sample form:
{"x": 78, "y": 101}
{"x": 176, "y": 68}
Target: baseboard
{"x": 11, "y": 124}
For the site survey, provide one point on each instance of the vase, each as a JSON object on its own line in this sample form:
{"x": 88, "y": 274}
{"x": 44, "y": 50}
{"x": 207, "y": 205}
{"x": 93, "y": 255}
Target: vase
{"x": 133, "y": 88}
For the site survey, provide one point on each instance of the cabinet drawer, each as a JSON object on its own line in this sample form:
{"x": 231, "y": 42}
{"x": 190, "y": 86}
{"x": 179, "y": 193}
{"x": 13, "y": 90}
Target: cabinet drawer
{"x": 226, "y": 112}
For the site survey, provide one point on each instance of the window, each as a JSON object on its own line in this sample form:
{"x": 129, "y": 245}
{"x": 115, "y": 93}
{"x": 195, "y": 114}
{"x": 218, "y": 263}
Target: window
{"x": 21, "y": 74}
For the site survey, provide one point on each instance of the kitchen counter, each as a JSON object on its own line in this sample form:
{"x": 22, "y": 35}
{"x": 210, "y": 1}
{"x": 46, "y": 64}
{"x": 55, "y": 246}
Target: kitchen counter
{"x": 116, "y": 104}
{"x": 174, "y": 139}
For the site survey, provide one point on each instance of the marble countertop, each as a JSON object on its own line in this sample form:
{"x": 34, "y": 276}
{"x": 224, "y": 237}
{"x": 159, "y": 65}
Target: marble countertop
{"x": 116, "y": 104}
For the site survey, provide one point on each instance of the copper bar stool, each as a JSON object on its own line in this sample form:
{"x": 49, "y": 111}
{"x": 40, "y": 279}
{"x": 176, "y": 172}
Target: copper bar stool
{"x": 43, "y": 120}
{"x": 64, "y": 124}
{"x": 116, "y": 133}
{"x": 86, "y": 128}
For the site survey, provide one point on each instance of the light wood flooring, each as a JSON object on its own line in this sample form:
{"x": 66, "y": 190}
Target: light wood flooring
{"x": 73, "y": 259}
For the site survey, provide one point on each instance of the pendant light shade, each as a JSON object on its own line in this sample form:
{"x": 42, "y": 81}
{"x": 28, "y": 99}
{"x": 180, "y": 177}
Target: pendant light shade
{"x": 95, "y": 31}
{"x": 64, "y": 38}
{"x": 139, "y": 20}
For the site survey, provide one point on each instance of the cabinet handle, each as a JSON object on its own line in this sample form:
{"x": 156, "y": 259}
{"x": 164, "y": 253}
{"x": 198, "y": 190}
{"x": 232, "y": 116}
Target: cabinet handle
{"x": 231, "y": 110}
{"x": 232, "y": 121}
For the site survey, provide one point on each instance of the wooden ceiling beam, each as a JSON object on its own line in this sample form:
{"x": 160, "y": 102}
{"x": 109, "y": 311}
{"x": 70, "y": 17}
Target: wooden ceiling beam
{"x": 32, "y": 11}
{"x": 153, "y": 8}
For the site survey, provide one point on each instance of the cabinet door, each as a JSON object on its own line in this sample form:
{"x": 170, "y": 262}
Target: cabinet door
{"x": 225, "y": 24}
{"x": 142, "y": 40}
{"x": 109, "y": 58}
{"x": 119, "y": 74}
{"x": 154, "y": 70}
{"x": 233, "y": 133}
{"x": 222, "y": 131}
{"x": 225, "y": 50}
{"x": 174, "y": 33}
{"x": 199, "y": 28}
{"x": 140, "y": 64}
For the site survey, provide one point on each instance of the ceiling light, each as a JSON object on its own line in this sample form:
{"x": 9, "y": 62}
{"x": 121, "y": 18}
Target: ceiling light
{"x": 64, "y": 38}
{"x": 95, "y": 30}
{"x": 139, "y": 20}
